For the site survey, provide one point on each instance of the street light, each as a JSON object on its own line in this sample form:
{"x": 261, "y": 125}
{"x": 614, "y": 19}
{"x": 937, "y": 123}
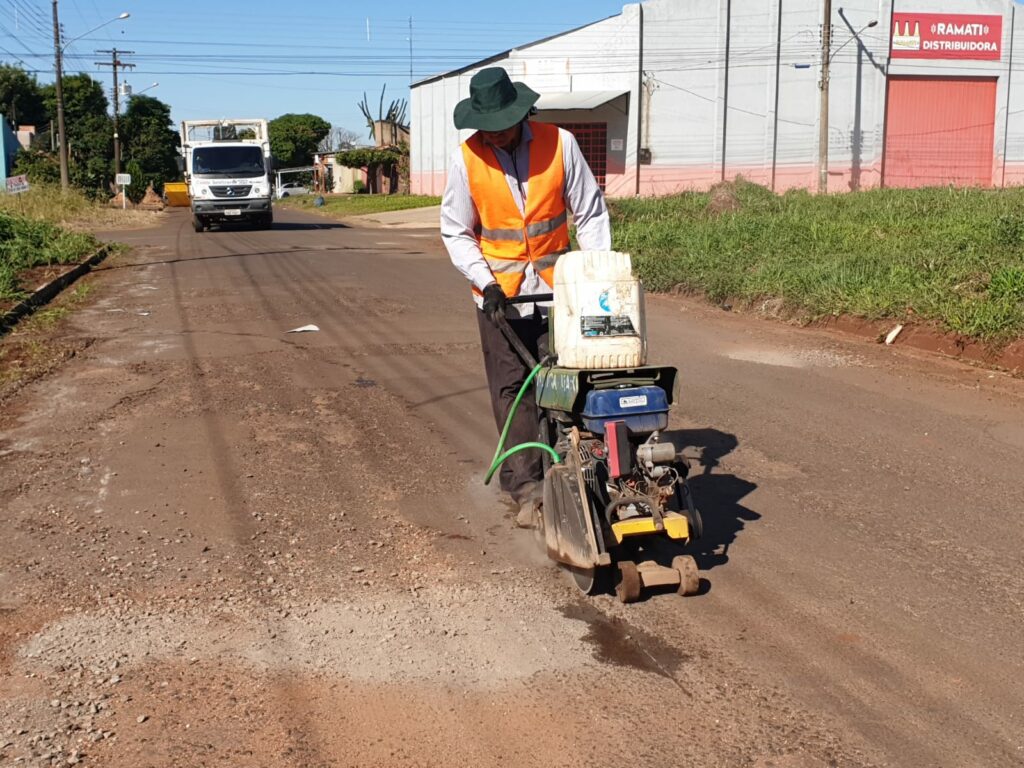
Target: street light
{"x": 154, "y": 85}
{"x": 872, "y": 23}
{"x": 826, "y": 60}
{"x": 58, "y": 55}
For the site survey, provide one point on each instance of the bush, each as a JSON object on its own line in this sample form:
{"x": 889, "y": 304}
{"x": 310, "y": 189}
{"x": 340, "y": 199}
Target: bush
{"x": 137, "y": 189}
{"x": 359, "y": 186}
{"x": 41, "y": 167}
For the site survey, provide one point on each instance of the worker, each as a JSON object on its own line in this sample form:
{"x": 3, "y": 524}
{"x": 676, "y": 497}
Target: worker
{"x": 504, "y": 223}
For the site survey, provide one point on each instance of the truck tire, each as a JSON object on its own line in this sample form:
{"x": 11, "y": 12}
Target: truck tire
{"x": 197, "y": 224}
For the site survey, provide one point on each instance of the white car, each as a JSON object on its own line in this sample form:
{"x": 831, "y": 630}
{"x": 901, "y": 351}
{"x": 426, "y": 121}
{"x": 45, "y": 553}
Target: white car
{"x": 291, "y": 190}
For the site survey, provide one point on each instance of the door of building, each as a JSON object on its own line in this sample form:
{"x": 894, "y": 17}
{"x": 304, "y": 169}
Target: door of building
{"x": 593, "y": 141}
{"x": 939, "y": 131}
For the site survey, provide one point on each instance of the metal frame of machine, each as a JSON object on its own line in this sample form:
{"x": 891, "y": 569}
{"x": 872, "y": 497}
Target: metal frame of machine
{"x": 617, "y": 507}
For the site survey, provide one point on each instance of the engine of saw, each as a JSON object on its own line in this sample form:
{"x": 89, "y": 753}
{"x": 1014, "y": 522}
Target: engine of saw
{"x": 617, "y": 509}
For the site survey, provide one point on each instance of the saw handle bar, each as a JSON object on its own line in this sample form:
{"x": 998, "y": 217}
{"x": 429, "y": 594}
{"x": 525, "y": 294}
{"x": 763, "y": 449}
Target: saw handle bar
{"x": 531, "y": 298}
{"x": 511, "y": 336}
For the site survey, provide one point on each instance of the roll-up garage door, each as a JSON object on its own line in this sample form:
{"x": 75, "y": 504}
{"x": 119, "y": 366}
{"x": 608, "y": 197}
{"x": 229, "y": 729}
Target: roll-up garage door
{"x": 939, "y": 131}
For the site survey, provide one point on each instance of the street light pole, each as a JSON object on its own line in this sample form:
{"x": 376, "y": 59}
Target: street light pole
{"x": 115, "y": 64}
{"x": 826, "y": 60}
{"x": 58, "y": 55}
{"x": 62, "y": 146}
{"x": 826, "y": 42}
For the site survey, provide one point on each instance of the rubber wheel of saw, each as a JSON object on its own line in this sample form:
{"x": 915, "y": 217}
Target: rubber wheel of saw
{"x": 689, "y": 574}
{"x": 628, "y": 588}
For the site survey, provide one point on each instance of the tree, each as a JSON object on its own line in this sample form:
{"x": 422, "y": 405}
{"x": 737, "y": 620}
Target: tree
{"x": 90, "y": 138}
{"x": 395, "y": 115}
{"x": 21, "y": 98}
{"x": 338, "y": 140}
{"x": 42, "y": 167}
{"x": 295, "y": 138}
{"x": 149, "y": 140}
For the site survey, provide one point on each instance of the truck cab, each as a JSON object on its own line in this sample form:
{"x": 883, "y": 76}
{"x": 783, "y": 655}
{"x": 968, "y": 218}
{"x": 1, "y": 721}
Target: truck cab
{"x": 228, "y": 169}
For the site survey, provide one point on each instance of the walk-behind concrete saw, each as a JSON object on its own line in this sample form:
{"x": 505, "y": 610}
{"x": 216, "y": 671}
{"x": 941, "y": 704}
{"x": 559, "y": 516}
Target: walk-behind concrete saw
{"x": 617, "y": 510}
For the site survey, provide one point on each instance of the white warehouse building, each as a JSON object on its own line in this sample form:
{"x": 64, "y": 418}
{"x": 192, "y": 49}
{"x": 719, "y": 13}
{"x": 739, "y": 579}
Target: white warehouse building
{"x": 671, "y": 95}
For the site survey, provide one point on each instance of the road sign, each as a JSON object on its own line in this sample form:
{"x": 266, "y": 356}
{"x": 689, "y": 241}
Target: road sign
{"x": 123, "y": 179}
{"x": 16, "y": 184}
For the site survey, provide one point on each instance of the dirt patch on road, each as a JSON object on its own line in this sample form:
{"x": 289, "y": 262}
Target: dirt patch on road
{"x": 926, "y": 338}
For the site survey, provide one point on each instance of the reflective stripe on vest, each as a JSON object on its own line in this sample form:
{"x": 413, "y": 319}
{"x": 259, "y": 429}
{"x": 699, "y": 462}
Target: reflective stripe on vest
{"x": 509, "y": 240}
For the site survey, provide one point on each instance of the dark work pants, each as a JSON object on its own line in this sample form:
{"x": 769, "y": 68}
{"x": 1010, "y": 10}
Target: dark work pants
{"x": 521, "y": 475}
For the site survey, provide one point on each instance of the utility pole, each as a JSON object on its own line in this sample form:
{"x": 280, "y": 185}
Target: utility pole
{"x": 826, "y": 53}
{"x": 62, "y": 145}
{"x": 115, "y": 63}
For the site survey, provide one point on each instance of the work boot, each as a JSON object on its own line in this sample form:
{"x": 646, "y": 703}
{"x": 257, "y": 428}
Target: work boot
{"x": 527, "y": 516}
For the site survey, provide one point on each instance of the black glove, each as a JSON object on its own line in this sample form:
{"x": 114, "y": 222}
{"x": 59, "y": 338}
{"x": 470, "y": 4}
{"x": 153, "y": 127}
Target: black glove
{"x": 494, "y": 301}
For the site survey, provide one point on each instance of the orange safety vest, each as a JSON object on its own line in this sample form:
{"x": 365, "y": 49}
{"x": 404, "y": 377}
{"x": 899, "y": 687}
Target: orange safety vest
{"x": 509, "y": 240}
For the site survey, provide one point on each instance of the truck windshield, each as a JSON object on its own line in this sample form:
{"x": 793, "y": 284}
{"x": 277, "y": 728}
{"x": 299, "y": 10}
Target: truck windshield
{"x": 228, "y": 161}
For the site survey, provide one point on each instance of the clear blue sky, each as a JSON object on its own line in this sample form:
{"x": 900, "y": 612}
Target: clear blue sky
{"x": 232, "y": 58}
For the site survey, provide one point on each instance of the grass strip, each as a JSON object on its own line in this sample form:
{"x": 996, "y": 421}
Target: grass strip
{"x": 952, "y": 257}
{"x": 28, "y": 243}
{"x": 359, "y": 205}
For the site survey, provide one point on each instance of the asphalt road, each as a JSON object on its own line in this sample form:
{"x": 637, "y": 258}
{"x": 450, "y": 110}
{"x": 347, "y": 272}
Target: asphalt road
{"x": 229, "y": 544}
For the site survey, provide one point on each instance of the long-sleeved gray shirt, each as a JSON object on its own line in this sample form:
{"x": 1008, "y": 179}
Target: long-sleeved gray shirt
{"x": 460, "y": 220}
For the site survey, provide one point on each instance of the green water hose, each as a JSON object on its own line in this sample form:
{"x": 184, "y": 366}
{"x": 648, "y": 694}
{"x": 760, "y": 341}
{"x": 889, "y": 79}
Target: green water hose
{"x": 500, "y": 457}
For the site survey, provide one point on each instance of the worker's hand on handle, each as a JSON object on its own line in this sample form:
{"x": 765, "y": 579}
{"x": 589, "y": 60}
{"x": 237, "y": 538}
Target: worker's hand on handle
{"x": 494, "y": 301}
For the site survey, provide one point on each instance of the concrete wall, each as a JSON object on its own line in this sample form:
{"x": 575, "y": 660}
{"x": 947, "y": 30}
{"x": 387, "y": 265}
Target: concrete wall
{"x": 343, "y": 177}
{"x": 700, "y": 131}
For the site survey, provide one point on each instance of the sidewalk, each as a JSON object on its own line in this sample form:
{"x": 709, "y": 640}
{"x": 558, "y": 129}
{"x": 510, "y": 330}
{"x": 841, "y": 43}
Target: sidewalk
{"x": 410, "y": 218}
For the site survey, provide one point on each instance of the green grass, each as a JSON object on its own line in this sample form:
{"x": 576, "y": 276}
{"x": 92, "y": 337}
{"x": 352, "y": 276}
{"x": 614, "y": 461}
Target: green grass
{"x": 26, "y": 243}
{"x": 358, "y": 205}
{"x": 951, "y": 257}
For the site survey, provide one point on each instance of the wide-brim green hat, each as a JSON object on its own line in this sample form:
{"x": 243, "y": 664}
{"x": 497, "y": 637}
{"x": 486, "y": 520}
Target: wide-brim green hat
{"x": 495, "y": 102}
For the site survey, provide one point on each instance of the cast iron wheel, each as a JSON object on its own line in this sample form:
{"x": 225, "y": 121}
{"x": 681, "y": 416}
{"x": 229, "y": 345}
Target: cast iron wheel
{"x": 689, "y": 575}
{"x": 628, "y": 588}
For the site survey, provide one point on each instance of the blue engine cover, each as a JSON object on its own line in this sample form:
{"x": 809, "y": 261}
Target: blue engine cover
{"x": 644, "y": 409}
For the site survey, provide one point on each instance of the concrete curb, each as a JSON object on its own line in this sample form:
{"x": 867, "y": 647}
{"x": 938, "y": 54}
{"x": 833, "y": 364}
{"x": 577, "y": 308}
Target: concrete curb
{"x": 47, "y": 291}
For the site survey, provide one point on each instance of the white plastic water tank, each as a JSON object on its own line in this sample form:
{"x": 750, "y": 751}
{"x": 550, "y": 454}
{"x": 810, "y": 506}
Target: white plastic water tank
{"x": 598, "y": 315}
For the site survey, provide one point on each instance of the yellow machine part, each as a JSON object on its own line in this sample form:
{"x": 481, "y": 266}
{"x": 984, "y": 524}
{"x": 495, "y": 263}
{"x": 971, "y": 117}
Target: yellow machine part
{"x": 676, "y": 527}
{"x": 176, "y": 193}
